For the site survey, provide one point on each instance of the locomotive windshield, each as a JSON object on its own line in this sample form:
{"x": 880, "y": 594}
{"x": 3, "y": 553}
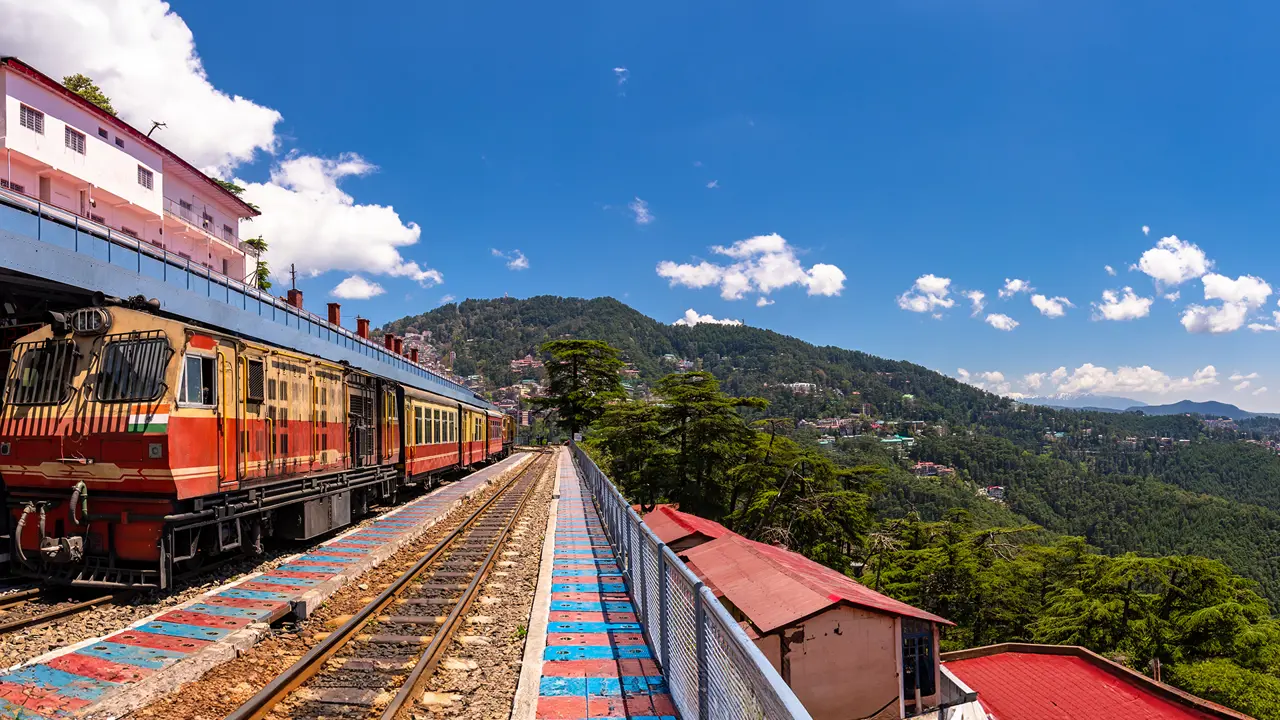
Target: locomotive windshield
{"x": 43, "y": 375}
{"x": 132, "y": 369}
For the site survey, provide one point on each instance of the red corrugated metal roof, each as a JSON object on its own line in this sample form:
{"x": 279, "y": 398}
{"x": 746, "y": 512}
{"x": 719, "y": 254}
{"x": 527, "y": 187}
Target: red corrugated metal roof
{"x": 671, "y": 525}
{"x": 775, "y": 587}
{"x": 1027, "y": 686}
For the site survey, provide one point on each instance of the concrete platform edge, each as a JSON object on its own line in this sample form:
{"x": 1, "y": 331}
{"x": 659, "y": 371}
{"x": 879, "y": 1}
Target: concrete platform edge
{"x": 525, "y": 704}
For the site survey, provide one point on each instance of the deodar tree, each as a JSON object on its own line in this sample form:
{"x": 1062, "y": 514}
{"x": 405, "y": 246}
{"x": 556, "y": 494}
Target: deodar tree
{"x": 582, "y": 379}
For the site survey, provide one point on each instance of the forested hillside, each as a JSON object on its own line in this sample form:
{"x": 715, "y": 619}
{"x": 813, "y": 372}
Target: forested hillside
{"x": 1210, "y": 495}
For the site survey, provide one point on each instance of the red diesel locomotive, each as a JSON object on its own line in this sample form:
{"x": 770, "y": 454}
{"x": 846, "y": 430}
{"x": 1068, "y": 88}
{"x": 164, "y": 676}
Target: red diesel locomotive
{"x": 134, "y": 447}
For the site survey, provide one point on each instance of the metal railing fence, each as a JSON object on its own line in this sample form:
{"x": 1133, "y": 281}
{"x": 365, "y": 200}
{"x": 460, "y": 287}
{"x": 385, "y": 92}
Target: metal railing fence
{"x": 712, "y": 668}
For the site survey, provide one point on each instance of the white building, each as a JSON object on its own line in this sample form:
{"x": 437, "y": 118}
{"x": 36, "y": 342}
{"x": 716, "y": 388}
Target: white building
{"x": 62, "y": 150}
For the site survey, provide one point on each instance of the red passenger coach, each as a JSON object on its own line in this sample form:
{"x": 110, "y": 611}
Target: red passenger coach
{"x": 134, "y": 447}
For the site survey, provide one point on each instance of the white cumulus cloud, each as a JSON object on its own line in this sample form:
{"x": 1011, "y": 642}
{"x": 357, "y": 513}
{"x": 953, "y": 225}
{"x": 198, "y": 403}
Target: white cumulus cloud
{"x": 446, "y": 299}
{"x": 641, "y": 211}
{"x": 1053, "y": 307}
{"x": 1241, "y": 386}
{"x": 310, "y": 222}
{"x": 1262, "y": 327}
{"x": 763, "y": 301}
{"x": 356, "y": 288}
{"x": 1173, "y": 261}
{"x": 1260, "y": 390}
{"x": 1013, "y": 287}
{"x": 1239, "y": 298}
{"x": 1173, "y": 296}
{"x": 1123, "y": 305}
{"x": 143, "y": 56}
{"x": 1000, "y": 321}
{"x": 691, "y": 318}
{"x": 1090, "y": 378}
{"x": 992, "y": 381}
{"x": 761, "y": 265}
{"x": 928, "y": 293}
{"x": 977, "y": 299}
{"x": 515, "y": 259}
{"x": 1110, "y": 270}
{"x": 1146, "y": 230}
{"x": 1236, "y": 376}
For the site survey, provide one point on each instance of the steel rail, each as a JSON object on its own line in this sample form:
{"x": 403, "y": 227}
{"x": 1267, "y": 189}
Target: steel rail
{"x": 426, "y": 665}
{"x": 57, "y": 613}
{"x": 18, "y": 598}
{"x": 310, "y": 665}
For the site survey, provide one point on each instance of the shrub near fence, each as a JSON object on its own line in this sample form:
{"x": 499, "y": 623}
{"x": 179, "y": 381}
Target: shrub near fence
{"x": 713, "y": 669}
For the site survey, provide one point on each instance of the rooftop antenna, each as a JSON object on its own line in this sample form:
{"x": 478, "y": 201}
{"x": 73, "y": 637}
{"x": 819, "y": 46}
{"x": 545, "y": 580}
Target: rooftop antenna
{"x": 155, "y": 124}
{"x": 293, "y": 276}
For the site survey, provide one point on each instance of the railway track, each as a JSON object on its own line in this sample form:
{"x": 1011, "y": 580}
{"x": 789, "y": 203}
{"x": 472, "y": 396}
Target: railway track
{"x": 375, "y": 663}
{"x": 16, "y": 608}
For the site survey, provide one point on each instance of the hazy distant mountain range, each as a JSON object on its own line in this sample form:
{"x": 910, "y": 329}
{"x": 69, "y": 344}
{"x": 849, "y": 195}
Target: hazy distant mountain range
{"x": 1108, "y": 403}
{"x": 1085, "y": 401}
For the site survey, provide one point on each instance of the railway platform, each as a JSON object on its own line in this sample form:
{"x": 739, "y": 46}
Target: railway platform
{"x": 111, "y": 675}
{"x": 587, "y": 655}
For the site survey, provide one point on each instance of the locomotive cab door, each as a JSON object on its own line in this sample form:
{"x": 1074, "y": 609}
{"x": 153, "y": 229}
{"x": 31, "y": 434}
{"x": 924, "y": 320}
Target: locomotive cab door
{"x": 361, "y": 422}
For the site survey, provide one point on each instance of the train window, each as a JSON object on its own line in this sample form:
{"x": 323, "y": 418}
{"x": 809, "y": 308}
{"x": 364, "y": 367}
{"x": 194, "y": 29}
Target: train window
{"x": 417, "y": 425}
{"x": 132, "y": 369}
{"x": 254, "y": 382}
{"x": 198, "y": 377}
{"x": 44, "y": 375}
{"x": 284, "y": 390}
{"x": 324, "y": 396}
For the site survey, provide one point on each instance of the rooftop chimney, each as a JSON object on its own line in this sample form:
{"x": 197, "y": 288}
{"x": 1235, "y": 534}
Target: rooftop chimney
{"x": 362, "y": 327}
{"x": 413, "y": 354}
{"x": 295, "y": 298}
{"x": 335, "y": 314}
{"x": 399, "y": 346}
{"x": 389, "y": 341}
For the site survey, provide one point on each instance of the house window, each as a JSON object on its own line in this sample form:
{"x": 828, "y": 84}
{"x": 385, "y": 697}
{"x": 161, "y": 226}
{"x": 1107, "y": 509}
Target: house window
{"x": 74, "y": 140}
{"x": 228, "y": 233}
{"x": 184, "y": 204}
{"x": 146, "y": 178}
{"x": 226, "y": 266}
{"x": 918, "y": 669}
{"x": 12, "y": 186}
{"x": 31, "y": 119}
{"x": 198, "y": 378}
{"x": 102, "y": 133}
{"x": 129, "y": 232}
{"x": 119, "y": 142}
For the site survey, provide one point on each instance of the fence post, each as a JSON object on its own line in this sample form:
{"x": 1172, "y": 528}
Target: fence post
{"x": 644, "y": 589}
{"x": 664, "y": 653}
{"x": 700, "y": 618}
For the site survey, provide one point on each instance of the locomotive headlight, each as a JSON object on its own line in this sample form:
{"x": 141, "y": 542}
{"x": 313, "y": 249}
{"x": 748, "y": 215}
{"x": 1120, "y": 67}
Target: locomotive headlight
{"x": 155, "y": 451}
{"x": 91, "y": 321}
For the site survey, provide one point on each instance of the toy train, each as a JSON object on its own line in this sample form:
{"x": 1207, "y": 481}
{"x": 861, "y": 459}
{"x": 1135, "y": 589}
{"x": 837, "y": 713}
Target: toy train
{"x": 134, "y": 448}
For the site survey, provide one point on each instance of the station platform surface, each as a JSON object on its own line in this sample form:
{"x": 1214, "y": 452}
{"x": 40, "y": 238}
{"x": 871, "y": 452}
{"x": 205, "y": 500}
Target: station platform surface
{"x": 595, "y": 661}
{"x": 108, "y": 676}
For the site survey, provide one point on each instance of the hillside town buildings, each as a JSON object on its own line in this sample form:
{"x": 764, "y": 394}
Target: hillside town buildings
{"x": 63, "y": 151}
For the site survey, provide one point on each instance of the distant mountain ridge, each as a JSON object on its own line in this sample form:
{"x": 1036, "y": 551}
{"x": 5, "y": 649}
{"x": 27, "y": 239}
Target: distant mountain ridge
{"x": 1084, "y": 401}
{"x": 1208, "y": 408}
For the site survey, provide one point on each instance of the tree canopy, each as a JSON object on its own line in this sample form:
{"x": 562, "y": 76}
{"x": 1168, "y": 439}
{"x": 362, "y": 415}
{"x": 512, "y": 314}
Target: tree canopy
{"x": 582, "y": 378}
{"x": 83, "y": 86}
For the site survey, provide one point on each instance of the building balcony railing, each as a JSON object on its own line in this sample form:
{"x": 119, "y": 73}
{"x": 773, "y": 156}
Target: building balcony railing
{"x": 27, "y": 217}
{"x": 202, "y": 221}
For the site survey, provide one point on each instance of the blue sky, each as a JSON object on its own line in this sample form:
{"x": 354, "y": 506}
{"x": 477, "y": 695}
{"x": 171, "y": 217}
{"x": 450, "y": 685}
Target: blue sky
{"x": 976, "y": 142}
